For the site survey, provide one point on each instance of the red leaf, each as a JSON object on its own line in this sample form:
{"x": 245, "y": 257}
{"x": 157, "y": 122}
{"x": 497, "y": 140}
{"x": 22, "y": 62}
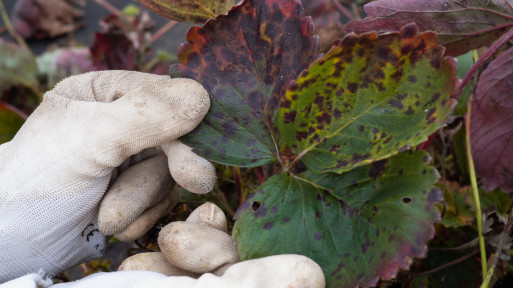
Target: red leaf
{"x": 461, "y": 25}
{"x": 113, "y": 51}
{"x": 492, "y": 124}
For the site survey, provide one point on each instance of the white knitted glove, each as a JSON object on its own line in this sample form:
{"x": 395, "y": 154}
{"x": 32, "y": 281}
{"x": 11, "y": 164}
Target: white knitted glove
{"x": 281, "y": 271}
{"x": 190, "y": 248}
{"x": 56, "y": 170}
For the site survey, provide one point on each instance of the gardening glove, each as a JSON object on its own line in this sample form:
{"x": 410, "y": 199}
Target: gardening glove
{"x": 56, "y": 170}
{"x": 191, "y": 248}
{"x": 201, "y": 244}
{"x": 281, "y": 271}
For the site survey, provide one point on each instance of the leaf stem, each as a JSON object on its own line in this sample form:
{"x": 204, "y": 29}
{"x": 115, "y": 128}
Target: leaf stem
{"x": 163, "y": 30}
{"x": 486, "y": 55}
{"x": 343, "y": 9}
{"x": 449, "y": 264}
{"x": 110, "y": 8}
{"x": 8, "y": 26}
{"x": 475, "y": 192}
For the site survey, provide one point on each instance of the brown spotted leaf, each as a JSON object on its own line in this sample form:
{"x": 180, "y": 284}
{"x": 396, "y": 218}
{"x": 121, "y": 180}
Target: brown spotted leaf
{"x": 492, "y": 124}
{"x": 462, "y": 25}
{"x": 245, "y": 60}
{"x": 197, "y": 11}
{"x": 359, "y": 226}
{"x": 368, "y": 98}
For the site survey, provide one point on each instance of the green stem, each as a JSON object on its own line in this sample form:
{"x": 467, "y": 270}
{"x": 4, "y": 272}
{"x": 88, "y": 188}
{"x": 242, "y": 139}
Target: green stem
{"x": 9, "y": 27}
{"x": 475, "y": 192}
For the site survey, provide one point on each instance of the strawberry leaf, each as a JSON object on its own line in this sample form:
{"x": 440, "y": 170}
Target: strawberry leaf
{"x": 197, "y": 11}
{"x": 353, "y": 224}
{"x": 492, "y": 124}
{"x": 245, "y": 60}
{"x": 368, "y": 98}
{"x": 460, "y": 25}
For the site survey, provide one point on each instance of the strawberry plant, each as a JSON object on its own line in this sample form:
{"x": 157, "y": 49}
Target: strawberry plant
{"x": 362, "y": 139}
{"x": 340, "y": 127}
{"x": 340, "y": 130}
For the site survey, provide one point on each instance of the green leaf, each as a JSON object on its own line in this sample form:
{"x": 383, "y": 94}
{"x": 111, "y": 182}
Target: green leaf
{"x": 246, "y": 60}
{"x": 10, "y": 122}
{"x": 17, "y": 66}
{"x": 368, "y": 98}
{"x": 197, "y": 11}
{"x": 465, "y": 61}
{"x": 358, "y": 226}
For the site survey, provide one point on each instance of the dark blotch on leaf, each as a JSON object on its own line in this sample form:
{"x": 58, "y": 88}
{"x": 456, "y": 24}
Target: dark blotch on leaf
{"x": 317, "y": 236}
{"x": 289, "y": 117}
{"x": 255, "y": 205}
{"x": 268, "y": 225}
{"x": 352, "y": 87}
{"x": 407, "y": 200}
{"x": 377, "y": 168}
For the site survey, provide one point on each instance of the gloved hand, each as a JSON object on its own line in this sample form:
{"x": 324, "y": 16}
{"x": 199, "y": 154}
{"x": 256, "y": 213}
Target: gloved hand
{"x": 56, "y": 170}
{"x": 190, "y": 248}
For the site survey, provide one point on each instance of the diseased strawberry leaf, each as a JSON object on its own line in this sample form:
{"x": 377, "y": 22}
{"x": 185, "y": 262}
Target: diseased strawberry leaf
{"x": 197, "y": 11}
{"x": 461, "y": 25}
{"x": 368, "y": 98}
{"x": 246, "y": 60}
{"x": 11, "y": 120}
{"x": 492, "y": 124}
{"x": 352, "y": 224}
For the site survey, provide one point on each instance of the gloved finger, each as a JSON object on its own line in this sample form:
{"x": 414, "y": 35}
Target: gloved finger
{"x": 136, "y": 189}
{"x": 280, "y": 271}
{"x": 196, "y": 247}
{"x": 189, "y": 170}
{"x": 209, "y": 214}
{"x": 133, "y": 160}
{"x": 143, "y": 223}
{"x": 134, "y": 110}
{"x": 153, "y": 261}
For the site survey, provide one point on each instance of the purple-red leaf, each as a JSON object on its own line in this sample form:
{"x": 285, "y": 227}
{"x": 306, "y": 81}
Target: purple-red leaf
{"x": 113, "y": 51}
{"x": 461, "y": 25}
{"x": 246, "y": 60}
{"x": 44, "y": 18}
{"x": 492, "y": 124}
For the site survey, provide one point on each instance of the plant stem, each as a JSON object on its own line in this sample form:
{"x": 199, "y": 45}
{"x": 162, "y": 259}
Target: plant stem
{"x": 238, "y": 184}
{"x": 495, "y": 46}
{"x": 11, "y": 30}
{"x": 163, "y": 30}
{"x": 343, "y": 9}
{"x": 475, "y": 192}
{"x": 110, "y": 8}
{"x": 446, "y": 265}
{"x": 260, "y": 175}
